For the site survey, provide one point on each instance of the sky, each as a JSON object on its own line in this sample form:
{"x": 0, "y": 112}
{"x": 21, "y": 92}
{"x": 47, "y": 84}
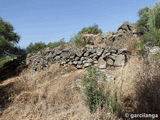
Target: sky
{"x": 51, "y": 20}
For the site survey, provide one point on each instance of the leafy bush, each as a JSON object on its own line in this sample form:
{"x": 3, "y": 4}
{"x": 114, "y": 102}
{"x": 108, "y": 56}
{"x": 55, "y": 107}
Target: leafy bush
{"x": 55, "y": 44}
{"x": 113, "y": 102}
{"x": 91, "y": 30}
{"x": 152, "y": 37}
{"x": 32, "y": 48}
{"x": 142, "y": 23}
{"x": 38, "y": 46}
{"x": 77, "y": 39}
{"x": 149, "y": 25}
{"x": 94, "y": 94}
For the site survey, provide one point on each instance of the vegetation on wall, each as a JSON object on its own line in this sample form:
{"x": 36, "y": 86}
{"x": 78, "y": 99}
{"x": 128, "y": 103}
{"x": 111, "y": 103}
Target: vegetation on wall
{"x": 32, "y": 48}
{"x": 77, "y": 39}
{"x": 38, "y": 46}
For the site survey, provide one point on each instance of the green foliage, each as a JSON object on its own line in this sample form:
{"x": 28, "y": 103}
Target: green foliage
{"x": 113, "y": 104}
{"x": 4, "y": 45}
{"x": 7, "y": 36}
{"x": 3, "y": 60}
{"x": 91, "y": 30}
{"x": 33, "y": 48}
{"x": 142, "y": 23}
{"x": 94, "y": 94}
{"x": 38, "y": 46}
{"x": 6, "y": 30}
{"x": 152, "y": 37}
{"x": 156, "y": 56}
{"x": 154, "y": 16}
{"x": 149, "y": 26}
{"x": 77, "y": 39}
{"x": 55, "y": 44}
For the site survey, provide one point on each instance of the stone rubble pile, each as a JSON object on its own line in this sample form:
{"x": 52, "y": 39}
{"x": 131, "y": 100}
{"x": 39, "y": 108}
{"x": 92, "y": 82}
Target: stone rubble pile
{"x": 79, "y": 57}
{"x": 124, "y": 33}
{"x": 100, "y": 51}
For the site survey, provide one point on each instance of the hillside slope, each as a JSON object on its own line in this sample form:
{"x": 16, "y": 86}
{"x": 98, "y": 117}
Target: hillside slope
{"x": 47, "y": 88}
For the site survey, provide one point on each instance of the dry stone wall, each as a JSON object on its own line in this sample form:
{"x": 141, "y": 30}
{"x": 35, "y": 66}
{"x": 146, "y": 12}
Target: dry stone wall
{"x": 99, "y": 52}
{"x": 79, "y": 57}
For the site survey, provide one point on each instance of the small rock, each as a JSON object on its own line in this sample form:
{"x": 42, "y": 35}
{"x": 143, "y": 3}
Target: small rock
{"x": 102, "y": 67}
{"x": 82, "y": 58}
{"x": 79, "y": 62}
{"x": 121, "y": 51}
{"x": 77, "y": 58}
{"x": 79, "y": 66}
{"x": 89, "y": 61}
{"x": 101, "y": 63}
{"x": 58, "y": 52}
{"x": 86, "y": 54}
{"x": 110, "y": 62}
{"x": 57, "y": 58}
{"x": 87, "y": 64}
{"x": 95, "y": 62}
{"x": 99, "y": 51}
{"x": 112, "y": 57}
{"x": 113, "y": 51}
{"x": 75, "y": 62}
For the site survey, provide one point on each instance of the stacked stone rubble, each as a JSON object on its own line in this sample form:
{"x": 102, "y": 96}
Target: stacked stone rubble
{"x": 80, "y": 58}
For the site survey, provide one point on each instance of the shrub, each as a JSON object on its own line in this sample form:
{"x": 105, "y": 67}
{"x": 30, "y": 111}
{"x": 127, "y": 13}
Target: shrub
{"x": 91, "y": 30}
{"x": 149, "y": 27}
{"x": 113, "y": 103}
{"x": 32, "y": 48}
{"x": 152, "y": 37}
{"x": 142, "y": 23}
{"x": 55, "y": 44}
{"x": 77, "y": 39}
{"x": 94, "y": 94}
{"x": 38, "y": 46}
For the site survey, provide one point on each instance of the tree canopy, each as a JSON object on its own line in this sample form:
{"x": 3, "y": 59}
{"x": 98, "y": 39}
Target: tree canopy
{"x": 149, "y": 24}
{"x": 8, "y": 38}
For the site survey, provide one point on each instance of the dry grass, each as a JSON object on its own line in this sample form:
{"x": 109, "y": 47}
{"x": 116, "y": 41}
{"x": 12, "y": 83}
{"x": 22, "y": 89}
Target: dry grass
{"x": 50, "y": 96}
{"x": 138, "y": 84}
{"x": 148, "y": 88}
